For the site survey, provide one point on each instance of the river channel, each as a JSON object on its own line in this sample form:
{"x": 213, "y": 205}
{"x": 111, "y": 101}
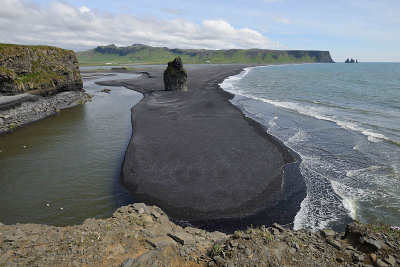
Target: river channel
{"x": 66, "y": 168}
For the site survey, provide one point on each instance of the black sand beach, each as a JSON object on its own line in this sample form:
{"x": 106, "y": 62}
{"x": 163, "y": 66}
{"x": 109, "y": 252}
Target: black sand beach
{"x": 202, "y": 160}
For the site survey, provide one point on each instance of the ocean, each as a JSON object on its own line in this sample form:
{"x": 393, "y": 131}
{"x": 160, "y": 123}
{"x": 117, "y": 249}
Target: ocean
{"x": 343, "y": 120}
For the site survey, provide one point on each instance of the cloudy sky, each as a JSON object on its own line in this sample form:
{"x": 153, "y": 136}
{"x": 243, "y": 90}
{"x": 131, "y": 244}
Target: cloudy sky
{"x": 363, "y": 29}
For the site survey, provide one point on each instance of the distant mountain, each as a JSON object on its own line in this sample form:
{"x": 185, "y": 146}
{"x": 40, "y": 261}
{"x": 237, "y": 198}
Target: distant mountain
{"x": 143, "y": 54}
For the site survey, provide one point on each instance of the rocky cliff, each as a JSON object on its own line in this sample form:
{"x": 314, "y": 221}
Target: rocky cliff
{"x": 41, "y": 70}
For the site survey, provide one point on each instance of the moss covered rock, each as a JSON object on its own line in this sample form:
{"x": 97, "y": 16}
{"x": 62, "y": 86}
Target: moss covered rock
{"x": 41, "y": 70}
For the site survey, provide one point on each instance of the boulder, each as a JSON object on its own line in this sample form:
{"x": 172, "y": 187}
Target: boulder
{"x": 175, "y": 76}
{"x": 328, "y": 233}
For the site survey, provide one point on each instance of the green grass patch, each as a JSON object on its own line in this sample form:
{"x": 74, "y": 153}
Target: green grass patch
{"x": 215, "y": 250}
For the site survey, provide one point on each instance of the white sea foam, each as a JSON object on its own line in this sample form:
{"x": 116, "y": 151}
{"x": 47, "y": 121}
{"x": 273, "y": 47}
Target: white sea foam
{"x": 353, "y": 173}
{"x": 229, "y": 83}
{"x": 347, "y": 199}
{"x": 298, "y": 137}
{"x": 302, "y": 216}
{"x": 321, "y": 206}
{"x": 305, "y": 218}
{"x": 272, "y": 122}
{"x": 318, "y": 113}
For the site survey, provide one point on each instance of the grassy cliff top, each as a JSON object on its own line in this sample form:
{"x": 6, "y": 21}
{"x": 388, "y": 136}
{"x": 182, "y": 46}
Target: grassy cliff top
{"x": 8, "y": 47}
{"x": 143, "y": 54}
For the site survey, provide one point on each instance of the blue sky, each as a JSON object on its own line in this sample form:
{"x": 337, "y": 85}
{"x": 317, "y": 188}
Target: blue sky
{"x": 367, "y": 30}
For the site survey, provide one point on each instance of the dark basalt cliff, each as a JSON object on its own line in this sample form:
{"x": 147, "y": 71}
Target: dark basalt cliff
{"x": 40, "y": 70}
{"x": 319, "y": 56}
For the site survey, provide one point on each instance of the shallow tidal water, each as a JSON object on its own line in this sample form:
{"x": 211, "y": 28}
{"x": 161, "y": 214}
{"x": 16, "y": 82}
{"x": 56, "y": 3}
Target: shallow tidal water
{"x": 70, "y": 161}
{"x": 344, "y": 122}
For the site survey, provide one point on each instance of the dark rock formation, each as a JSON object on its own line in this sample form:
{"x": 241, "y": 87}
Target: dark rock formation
{"x": 40, "y": 70}
{"x": 175, "y": 76}
{"x": 351, "y": 60}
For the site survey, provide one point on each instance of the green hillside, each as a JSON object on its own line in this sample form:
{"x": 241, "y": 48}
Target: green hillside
{"x": 143, "y": 54}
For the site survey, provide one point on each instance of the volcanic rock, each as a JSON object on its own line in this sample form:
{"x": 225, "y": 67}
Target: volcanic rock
{"x": 175, "y": 76}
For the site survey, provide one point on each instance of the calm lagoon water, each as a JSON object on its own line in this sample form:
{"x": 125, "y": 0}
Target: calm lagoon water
{"x": 70, "y": 161}
{"x": 344, "y": 122}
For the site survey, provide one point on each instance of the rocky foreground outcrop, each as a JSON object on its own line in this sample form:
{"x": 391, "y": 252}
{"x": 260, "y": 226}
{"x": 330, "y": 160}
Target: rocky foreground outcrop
{"x": 40, "y": 70}
{"x": 139, "y": 235}
{"x": 175, "y": 76}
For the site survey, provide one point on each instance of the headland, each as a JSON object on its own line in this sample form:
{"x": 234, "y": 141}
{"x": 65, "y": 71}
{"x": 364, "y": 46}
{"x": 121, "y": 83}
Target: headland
{"x": 36, "y": 82}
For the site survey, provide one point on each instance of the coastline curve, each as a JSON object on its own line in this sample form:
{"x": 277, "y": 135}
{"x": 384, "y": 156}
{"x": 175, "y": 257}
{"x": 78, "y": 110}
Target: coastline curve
{"x": 203, "y": 160}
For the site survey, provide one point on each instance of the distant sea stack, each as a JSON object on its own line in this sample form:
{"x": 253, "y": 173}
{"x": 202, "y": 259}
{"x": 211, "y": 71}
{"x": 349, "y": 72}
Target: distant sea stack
{"x": 40, "y": 70}
{"x": 175, "y": 76}
{"x": 351, "y": 60}
{"x": 138, "y": 53}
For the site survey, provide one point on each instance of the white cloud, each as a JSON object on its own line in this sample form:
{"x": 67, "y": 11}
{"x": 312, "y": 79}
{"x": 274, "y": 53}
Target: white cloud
{"x": 79, "y": 28}
{"x": 84, "y": 9}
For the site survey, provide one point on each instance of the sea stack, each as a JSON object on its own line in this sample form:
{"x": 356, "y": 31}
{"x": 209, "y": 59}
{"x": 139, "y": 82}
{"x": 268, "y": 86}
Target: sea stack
{"x": 351, "y": 60}
{"x": 175, "y": 76}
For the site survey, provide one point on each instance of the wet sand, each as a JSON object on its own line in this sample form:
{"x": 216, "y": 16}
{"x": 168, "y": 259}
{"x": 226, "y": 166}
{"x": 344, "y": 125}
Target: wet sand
{"x": 201, "y": 160}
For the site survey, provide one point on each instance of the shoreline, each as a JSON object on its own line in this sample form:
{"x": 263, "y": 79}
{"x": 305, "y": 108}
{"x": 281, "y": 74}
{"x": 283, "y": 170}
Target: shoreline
{"x": 278, "y": 201}
{"x": 22, "y": 110}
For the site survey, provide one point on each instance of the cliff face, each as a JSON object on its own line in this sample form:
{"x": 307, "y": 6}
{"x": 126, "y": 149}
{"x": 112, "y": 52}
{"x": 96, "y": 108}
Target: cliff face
{"x": 138, "y": 53}
{"x": 319, "y": 56}
{"x": 38, "y": 70}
